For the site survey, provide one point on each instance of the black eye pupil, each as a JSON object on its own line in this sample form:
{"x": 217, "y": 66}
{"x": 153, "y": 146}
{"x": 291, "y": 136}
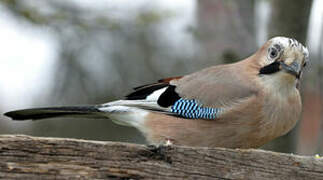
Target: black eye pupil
{"x": 273, "y": 53}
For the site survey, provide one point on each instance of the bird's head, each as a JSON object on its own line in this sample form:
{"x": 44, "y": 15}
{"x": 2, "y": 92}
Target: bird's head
{"x": 284, "y": 58}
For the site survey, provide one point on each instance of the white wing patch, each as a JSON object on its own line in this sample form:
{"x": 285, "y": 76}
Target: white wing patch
{"x": 155, "y": 95}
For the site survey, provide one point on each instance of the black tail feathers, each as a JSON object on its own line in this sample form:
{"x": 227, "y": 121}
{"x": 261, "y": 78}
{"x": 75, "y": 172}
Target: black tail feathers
{"x": 51, "y": 112}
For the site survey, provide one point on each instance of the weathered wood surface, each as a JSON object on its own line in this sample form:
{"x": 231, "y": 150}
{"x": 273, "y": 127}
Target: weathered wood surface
{"x": 25, "y": 157}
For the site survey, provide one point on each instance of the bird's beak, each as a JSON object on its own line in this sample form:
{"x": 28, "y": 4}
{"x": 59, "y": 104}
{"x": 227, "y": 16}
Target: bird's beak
{"x": 293, "y": 68}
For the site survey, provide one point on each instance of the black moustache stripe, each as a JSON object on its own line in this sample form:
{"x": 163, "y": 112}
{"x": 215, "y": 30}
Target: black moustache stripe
{"x": 270, "y": 69}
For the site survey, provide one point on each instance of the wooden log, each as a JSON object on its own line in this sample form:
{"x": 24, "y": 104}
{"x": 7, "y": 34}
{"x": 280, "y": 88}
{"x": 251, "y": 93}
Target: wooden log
{"x": 25, "y": 157}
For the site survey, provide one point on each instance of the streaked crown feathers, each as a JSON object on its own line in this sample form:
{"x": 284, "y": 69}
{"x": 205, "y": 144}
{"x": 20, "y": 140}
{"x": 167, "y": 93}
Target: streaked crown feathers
{"x": 285, "y": 42}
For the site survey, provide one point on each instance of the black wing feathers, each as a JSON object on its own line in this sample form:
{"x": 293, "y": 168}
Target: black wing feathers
{"x": 169, "y": 97}
{"x": 166, "y": 99}
{"x": 143, "y": 91}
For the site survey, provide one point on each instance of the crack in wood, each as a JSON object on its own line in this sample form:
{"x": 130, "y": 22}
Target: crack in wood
{"x": 28, "y": 157}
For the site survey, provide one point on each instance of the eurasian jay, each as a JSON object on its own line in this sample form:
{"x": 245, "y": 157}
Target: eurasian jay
{"x": 240, "y": 105}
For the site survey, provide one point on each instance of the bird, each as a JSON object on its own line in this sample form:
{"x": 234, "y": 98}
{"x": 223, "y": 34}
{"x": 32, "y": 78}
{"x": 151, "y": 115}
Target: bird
{"x": 245, "y": 104}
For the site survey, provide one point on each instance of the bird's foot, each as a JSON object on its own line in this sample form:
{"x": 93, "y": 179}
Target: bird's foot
{"x": 168, "y": 142}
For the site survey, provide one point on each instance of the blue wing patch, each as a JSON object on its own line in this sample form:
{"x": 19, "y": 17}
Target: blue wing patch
{"x": 193, "y": 110}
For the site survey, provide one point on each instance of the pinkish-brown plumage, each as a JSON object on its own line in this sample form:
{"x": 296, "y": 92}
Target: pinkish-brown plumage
{"x": 257, "y": 100}
{"x": 255, "y": 112}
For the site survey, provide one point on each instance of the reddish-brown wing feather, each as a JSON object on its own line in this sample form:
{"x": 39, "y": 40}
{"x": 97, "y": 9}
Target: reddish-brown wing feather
{"x": 167, "y": 80}
{"x": 141, "y": 92}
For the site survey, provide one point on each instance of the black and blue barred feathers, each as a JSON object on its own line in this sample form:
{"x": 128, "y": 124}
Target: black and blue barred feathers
{"x": 193, "y": 110}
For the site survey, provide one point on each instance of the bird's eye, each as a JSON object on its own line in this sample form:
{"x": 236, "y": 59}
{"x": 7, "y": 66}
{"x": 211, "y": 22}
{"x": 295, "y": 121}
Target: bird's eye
{"x": 273, "y": 52}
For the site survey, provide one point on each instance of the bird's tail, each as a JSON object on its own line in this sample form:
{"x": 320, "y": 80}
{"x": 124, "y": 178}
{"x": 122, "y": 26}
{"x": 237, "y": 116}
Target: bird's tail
{"x": 123, "y": 112}
{"x": 52, "y": 112}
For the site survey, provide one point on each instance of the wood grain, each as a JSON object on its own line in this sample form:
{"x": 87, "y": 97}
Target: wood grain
{"x": 25, "y": 157}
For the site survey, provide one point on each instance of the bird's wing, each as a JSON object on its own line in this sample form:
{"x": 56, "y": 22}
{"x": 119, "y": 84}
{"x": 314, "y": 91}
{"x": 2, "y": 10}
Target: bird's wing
{"x": 201, "y": 95}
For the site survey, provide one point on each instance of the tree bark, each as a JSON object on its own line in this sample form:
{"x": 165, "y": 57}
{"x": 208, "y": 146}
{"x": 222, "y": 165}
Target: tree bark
{"x": 25, "y": 157}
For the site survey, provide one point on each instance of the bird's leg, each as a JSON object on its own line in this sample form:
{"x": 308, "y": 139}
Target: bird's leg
{"x": 161, "y": 151}
{"x": 168, "y": 142}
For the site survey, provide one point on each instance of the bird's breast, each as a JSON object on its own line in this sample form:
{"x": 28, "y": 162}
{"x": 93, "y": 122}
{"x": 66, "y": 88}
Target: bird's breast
{"x": 281, "y": 112}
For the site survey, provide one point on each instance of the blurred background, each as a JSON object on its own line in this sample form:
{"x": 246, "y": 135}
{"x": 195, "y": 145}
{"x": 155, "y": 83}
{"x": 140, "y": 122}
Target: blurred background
{"x": 69, "y": 52}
